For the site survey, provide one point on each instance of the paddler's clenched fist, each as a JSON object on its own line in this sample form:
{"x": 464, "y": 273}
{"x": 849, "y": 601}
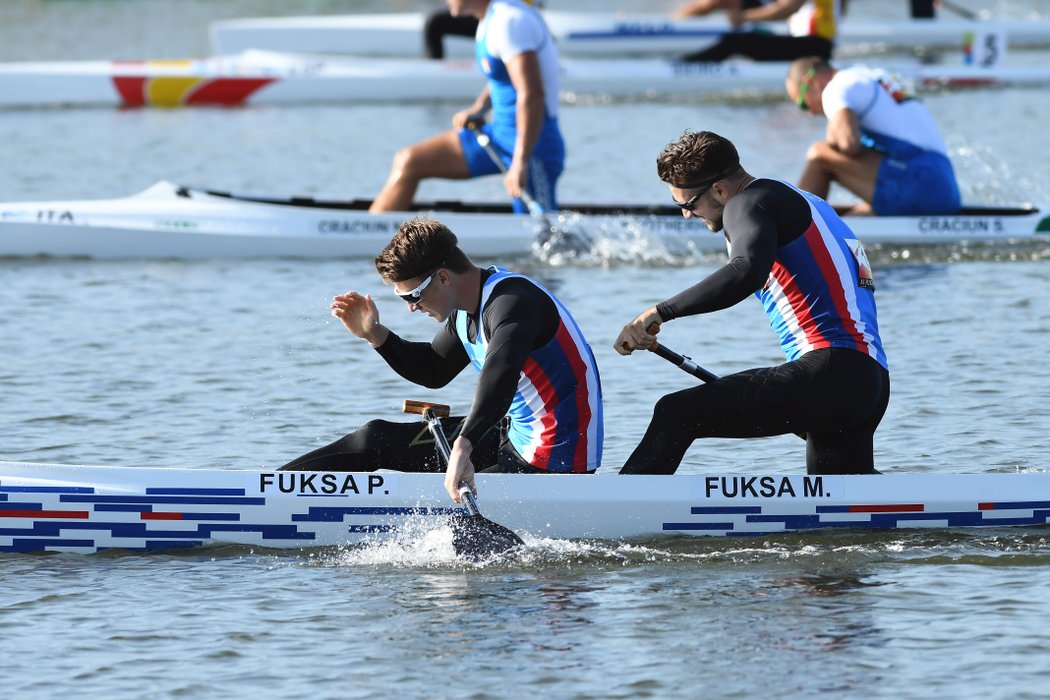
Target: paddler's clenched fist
{"x": 639, "y": 333}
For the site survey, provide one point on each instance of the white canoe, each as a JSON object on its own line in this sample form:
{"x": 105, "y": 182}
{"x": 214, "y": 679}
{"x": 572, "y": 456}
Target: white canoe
{"x": 269, "y": 78}
{"x": 168, "y": 221}
{"x": 50, "y": 507}
{"x": 586, "y": 34}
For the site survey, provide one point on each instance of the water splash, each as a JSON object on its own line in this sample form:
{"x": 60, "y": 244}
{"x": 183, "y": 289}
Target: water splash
{"x": 418, "y": 542}
{"x": 581, "y": 240}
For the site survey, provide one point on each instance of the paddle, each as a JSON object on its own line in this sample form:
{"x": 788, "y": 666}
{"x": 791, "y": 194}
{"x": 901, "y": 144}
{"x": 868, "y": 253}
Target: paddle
{"x": 474, "y": 536}
{"x": 682, "y": 362}
{"x": 686, "y": 364}
{"x": 959, "y": 9}
{"x": 554, "y": 234}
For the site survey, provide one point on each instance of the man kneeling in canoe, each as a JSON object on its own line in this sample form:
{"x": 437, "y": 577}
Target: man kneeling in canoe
{"x": 537, "y": 408}
{"x": 881, "y": 143}
{"x": 791, "y": 250}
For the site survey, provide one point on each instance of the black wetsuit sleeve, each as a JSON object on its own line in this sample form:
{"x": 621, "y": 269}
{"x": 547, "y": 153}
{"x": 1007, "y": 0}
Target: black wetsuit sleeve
{"x": 518, "y": 319}
{"x": 754, "y": 240}
{"x": 432, "y": 364}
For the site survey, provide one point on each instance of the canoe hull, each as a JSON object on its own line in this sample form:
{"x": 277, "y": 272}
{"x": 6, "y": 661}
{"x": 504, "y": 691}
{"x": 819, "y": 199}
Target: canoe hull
{"x": 85, "y": 509}
{"x": 167, "y": 221}
{"x": 270, "y": 78}
{"x": 586, "y": 34}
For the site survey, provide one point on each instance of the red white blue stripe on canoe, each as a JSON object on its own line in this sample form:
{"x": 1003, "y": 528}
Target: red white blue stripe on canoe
{"x": 88, "y": 509}
{"x": 881, "y": 516}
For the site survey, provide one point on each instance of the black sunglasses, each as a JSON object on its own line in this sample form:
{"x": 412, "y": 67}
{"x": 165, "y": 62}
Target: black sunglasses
{"x": 706, "y": 185}
{"x": 690, "y": 203}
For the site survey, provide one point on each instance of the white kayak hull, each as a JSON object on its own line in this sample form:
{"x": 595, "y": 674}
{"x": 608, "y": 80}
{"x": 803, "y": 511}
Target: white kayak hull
{"x": 85, "y": 509}
{"x": 167, "y": 221}
{"x": 586, "y": 34}
{"x": 268, "y": 78}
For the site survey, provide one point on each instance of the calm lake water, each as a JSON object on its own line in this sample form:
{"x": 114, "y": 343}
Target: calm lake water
{"x": 238, "y": 364}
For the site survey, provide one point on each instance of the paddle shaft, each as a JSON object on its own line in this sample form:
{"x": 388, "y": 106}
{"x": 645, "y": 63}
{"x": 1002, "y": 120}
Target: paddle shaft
{"x": 580, "y": 237}
{"x": 486, "y": 143}
{"x": 959, "y": 9}
{"x": 686, "y": 364}
{"x": 434, "y": 426}
{"x": 473, "y": 536}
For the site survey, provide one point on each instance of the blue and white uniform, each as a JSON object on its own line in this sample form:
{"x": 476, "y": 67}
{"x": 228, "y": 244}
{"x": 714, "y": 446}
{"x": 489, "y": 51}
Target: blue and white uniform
{"x": 556, "y": 421}
{"x": 916, "y": 176}
{"x": 509, "y": 29}
{"x": 538, "y": 404}
{"x": 819, "y": 291}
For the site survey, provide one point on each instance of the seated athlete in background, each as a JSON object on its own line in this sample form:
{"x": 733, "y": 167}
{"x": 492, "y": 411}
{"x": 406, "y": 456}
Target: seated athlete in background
{"x": 538, "y": 380}
{"x": 516, "y": 52}
{"x": 790, "y": 250}
{"x": 881, "y": 143}
{"x": 812, "y": 25}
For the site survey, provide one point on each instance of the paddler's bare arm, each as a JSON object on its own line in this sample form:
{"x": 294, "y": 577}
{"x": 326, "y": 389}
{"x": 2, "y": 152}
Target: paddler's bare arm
{"x": 475, "y": 114}
{"x": 779, "y": 9}
{"x": 698, "y": 8}
{"x": 524, "y": 70}
{"x": 843, "y": 132}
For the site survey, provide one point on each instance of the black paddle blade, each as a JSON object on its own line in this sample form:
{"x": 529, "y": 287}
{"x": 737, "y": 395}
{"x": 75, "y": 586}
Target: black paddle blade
{"x": 475, "y": 537}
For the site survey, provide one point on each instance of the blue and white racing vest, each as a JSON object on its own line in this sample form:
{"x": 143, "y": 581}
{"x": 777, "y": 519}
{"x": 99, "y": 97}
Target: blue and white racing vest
{"x": 556, "y": 418}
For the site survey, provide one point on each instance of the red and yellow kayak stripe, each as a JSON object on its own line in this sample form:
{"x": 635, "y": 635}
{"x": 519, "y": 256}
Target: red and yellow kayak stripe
{"x": 181, "y": 91}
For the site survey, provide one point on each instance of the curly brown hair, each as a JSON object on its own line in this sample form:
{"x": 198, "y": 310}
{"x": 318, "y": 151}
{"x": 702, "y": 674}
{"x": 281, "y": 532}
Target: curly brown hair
{"x": 697, "y": 157}
{"x": 420, "y": 246}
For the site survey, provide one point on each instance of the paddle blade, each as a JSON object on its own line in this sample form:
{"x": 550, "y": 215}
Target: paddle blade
{"x": 475, "y": 537}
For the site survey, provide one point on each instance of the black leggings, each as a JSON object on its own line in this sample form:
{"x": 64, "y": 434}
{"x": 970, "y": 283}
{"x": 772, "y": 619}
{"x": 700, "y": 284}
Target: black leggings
{"x": 442, "y": 23}
{"x": 409, "y": 447}
{"x": 836, "y": 396}
{"x": 760, "y": 46}
{"x": 922, "y": 9}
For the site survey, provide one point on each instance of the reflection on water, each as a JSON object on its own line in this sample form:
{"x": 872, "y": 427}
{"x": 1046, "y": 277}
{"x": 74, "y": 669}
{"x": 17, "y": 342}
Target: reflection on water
{"x": 669, "y": 617}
